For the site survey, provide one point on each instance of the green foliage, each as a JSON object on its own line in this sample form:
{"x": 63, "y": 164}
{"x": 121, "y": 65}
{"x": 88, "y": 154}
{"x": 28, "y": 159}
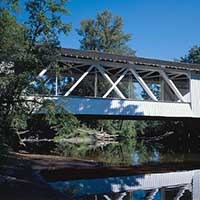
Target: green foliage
{"x": 115, "y": 127}
{"x": 45, "y": 22}
{"x": 128, "y": 152}
{"x": 12, "y": 36}
{"x": 11, "y": 5}
{"x": 62, "y": 122}
{"x": 193, "y": 55}
{"x": 128, "y": 129}
{"x": 25, "y": 49}
{"x": 3, "y": 151}
{"x": 105, "y": 34}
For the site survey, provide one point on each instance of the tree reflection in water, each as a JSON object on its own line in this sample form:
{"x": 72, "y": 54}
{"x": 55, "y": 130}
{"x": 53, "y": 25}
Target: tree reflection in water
{"x": 128, "y": 152}
{"x": 134, "y": 152}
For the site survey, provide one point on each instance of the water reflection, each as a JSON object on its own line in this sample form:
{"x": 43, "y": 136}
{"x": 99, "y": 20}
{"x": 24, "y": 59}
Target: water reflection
{"x": 128, "y": 152}
{"x": 180, "y": 185}
{"x": 159, "y": 186}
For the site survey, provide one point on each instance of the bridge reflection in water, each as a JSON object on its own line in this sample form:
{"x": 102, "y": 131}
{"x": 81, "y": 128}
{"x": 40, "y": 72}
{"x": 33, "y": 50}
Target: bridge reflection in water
{"x": 158, "y": 186}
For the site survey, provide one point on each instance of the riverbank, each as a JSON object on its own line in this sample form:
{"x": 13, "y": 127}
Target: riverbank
{"x": 20, "y": 177}
{"x": 26, "y": 176}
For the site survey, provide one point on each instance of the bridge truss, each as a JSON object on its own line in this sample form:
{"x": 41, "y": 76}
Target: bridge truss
{"x": 136, "y": 86}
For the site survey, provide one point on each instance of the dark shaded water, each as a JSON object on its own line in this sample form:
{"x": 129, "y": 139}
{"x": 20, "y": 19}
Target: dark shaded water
{"x": 184, "y": 184}
{"x": 130, "y": 152}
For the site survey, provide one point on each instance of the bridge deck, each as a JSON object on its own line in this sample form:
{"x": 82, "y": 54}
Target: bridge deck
{"x": 123, "y": 108}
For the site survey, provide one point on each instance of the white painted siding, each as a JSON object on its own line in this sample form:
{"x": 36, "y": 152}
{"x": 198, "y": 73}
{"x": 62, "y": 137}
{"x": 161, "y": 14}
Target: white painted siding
{"x": 195, "y": 94}
{"x": 95, "y": 106}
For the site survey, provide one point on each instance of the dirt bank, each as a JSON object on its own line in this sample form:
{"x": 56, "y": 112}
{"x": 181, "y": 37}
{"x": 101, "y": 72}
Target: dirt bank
{"x": 20, "y": 176}
{"x": 25, "y": 176}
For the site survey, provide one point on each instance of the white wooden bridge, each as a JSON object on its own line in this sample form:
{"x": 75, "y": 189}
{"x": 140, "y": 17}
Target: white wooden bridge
{"x": 91, "y": 83}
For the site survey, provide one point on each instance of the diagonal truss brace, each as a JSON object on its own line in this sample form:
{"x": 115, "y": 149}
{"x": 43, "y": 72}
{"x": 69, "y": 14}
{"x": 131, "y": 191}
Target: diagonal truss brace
{"x": 139, "y": 79}
{"x": 105, "y": 75}
{"x": 79, "y": 80}
{"x": 143, "y": 84}
{"x": 172, "y": 85}
{"x": 115, "y": 84}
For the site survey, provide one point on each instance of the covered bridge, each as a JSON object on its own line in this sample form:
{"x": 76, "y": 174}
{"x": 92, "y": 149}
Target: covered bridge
{"x": 90, "y": 83}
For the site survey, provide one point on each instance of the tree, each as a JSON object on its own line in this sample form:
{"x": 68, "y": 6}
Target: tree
{"x": 105, "y": 34}
{"x": 193, "y": 55}
{"x": 12, "y": 42}
{"x": 24, "y": 49}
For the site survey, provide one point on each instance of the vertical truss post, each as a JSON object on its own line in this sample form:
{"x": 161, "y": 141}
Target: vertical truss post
{"x": 105, "y": 75}
{"x": 56, "y": 89}
{"x": 78, "y": 81}
{"x": 162, "y": 94}
{"x": 143, "y": 84}
{"x": 172, "y": 85}
{"x": 95, "y": 83}
{"x": 130, "y": 86}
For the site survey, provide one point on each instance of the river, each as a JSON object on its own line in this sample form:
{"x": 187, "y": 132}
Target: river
{"x": 160, "y": 184}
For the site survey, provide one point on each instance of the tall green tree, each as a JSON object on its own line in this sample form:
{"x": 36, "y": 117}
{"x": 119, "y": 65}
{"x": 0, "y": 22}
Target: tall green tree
{"x": 26, "y": 48}
{"x": 105, "y": 34}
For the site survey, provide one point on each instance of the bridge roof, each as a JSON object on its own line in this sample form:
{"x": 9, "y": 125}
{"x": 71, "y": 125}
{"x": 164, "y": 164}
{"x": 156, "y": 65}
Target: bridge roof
{"x": 114, "y": 58}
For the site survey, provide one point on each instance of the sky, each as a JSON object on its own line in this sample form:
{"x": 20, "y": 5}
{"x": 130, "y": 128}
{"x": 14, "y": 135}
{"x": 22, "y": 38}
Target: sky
{"x": 162, "y": 29}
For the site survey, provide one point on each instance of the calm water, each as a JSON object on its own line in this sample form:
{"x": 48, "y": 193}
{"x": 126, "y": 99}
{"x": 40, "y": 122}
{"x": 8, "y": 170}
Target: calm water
{"x": 182, "y": 185}
{"x": 165, "y": 187}
{"x": 131, "y": 152}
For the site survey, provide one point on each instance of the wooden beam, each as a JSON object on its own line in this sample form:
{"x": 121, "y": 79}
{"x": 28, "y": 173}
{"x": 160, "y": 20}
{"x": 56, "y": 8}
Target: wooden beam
{"x": 95, "y": 83}
{"x": 174, "y": 76}
{"x": 148, "y": 74}
{"x": 105, "y": 75}
{"x": 78, "y": 81}
{"x": 42, "y": 73}
{"x": 152, "y": 77}
{"x": 115, "y": 84}
{"x": 143, "y": 84}
{"x": 122, "y": 65}
{"x": 172, "y": 86}
{"x": 121, "y": 70}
